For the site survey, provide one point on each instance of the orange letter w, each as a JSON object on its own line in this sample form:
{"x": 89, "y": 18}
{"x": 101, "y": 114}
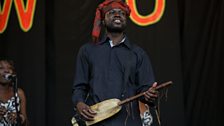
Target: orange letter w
{"x": 25, "y": 13}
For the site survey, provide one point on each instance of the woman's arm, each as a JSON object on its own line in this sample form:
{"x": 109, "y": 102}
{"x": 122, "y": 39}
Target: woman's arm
{"x": 23, "y": 114}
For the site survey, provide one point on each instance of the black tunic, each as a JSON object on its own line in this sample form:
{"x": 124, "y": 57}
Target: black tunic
{"x": 104, "y": 72}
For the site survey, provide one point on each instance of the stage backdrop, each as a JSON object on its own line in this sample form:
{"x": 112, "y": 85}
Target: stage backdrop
{"x": 43, "y": 38}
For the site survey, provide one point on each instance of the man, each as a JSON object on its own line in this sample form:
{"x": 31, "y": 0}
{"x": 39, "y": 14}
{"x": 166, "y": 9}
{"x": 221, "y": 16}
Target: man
{"x": 112, "y": 67}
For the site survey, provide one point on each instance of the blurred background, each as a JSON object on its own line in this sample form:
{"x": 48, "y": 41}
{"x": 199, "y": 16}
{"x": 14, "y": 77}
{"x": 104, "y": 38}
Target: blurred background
{"x": 184, "y": 39}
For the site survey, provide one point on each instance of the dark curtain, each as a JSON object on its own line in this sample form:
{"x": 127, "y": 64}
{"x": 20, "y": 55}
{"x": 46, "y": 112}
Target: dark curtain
{"x": 202, "y": 31}
{"x": 185, "y": 46}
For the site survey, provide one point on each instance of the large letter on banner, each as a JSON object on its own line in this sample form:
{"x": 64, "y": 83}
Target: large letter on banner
{"x": 25, "y": 13}
{"x": 4, "y": 14}
{"x": 148, "y": 19}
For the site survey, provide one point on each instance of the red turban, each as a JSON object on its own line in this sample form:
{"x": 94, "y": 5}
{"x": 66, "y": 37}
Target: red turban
{"x": 104, "y": 7}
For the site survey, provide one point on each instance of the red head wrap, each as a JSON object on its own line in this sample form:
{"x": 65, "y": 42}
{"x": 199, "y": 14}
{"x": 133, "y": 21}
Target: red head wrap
{"x": 104, "y": 7}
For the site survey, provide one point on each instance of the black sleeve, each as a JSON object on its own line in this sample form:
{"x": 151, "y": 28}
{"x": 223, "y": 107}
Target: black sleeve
{"x": 81, "y": 79}
{"x": 144, "y": 74}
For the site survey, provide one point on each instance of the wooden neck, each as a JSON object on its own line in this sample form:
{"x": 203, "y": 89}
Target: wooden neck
{"x": 161, "y": 86}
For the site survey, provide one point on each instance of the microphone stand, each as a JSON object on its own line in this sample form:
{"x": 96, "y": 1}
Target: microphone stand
{"x": 15, "y": 91}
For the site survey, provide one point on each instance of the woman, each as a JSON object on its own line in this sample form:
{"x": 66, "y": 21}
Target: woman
{"x": 8, "y": 112}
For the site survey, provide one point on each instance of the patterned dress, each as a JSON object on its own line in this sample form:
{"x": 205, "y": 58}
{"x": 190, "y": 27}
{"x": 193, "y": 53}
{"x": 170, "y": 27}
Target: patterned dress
{"x": 10, "y": 107}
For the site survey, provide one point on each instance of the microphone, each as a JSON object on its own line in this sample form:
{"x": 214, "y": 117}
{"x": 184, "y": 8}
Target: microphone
{"x": 10, "y": 77}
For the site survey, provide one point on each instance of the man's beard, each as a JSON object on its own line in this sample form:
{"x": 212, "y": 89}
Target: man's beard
{"x": 112, "y": 29}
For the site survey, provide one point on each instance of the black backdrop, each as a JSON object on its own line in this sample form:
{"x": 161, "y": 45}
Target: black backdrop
{"x": 184, "y": 46}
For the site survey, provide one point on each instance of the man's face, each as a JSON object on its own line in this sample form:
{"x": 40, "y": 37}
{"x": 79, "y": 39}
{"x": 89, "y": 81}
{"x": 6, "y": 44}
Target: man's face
{"x": 115, "y": 20}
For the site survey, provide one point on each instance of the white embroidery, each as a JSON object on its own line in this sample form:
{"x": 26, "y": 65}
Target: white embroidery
{"x": 146, "y": 118}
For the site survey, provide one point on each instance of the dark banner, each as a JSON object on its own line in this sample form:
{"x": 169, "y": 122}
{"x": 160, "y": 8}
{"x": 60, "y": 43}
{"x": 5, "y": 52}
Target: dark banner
{"x": 43, "y": 42}
{"x": 43, "y": 38}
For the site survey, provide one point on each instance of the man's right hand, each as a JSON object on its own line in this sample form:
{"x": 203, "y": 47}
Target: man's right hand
{"x": 85, "y": 111}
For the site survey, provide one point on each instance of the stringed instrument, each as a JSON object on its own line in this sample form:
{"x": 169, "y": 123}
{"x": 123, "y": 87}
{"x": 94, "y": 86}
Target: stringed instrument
{"x": 110, "y": 107}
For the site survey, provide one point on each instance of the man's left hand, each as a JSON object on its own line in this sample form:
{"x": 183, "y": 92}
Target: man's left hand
{"x": 151, "y": 94}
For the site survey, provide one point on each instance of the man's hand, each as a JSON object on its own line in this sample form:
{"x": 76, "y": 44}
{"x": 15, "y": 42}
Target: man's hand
{"x": 2, "y": 111}
{"x": 85, "y": 111}
{"x": 151, "y": 94}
